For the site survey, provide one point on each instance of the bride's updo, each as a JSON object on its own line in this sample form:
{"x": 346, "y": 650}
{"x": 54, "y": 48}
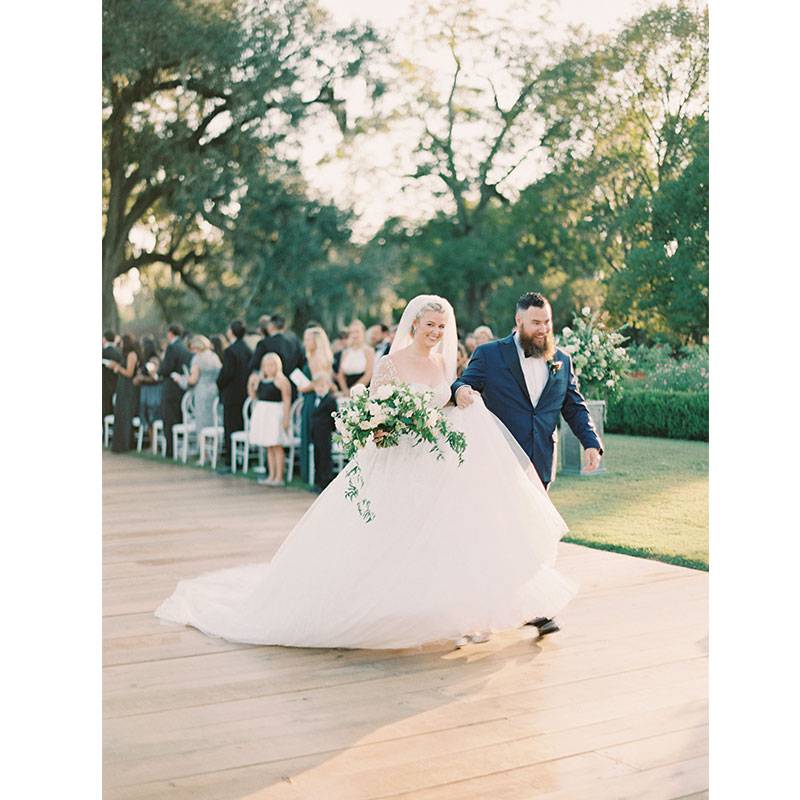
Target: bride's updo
{"x": 431, "y": 305}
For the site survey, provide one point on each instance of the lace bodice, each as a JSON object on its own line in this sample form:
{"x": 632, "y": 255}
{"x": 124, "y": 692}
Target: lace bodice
{"x": 386, "y": 372}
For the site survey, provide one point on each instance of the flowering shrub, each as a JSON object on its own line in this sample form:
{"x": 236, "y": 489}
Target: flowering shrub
{"x": 657, "y": 368}
{"x": 394, "y": 410}
{"x": 598, "y": 358}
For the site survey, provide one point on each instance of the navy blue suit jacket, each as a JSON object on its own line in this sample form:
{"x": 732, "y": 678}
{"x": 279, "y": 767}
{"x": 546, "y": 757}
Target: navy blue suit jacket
{"x": 494, "y": 371}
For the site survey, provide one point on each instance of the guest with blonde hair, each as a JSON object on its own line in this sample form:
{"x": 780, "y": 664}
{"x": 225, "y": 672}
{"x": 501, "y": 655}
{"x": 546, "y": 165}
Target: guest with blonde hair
{"x": 358, "y": 359}
{"x": 318, "y": 360}
{"x": 202, "y": 380}
{"x": 270, "y": 422}
{"x": 483, "y": 334}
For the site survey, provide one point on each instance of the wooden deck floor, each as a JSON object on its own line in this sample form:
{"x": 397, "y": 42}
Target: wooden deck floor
{"x": 613, "y": 706}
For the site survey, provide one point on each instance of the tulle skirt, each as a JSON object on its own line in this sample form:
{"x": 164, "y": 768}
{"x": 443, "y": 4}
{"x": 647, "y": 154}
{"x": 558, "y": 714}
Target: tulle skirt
{"x": 453, "y": 549}
{"x": 266, "y": 424}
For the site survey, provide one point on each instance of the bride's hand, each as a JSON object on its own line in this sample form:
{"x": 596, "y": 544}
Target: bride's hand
{"x": 378, "y": 435}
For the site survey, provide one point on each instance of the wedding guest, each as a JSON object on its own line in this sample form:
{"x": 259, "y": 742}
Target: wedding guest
{"x": 176, "y": 359}
{"x": 232, "y": 385}
{"x": 337, "y": 347}
{"x": 483, "y": 334}
{"x": 285, "y": 346}
{"x": 270, "y": 423}
{"x": 462, "y": 359}
{"x": 319, "y": 359}
{"x": 111, "y": 353}
{"x": 125, "y": 401}
{"x": 219, "y": 343}
{"x": 263, "y": 343}
{"x": 470, "y": 343}
{"x": 378, "y": 339}
{"x": 357, "y": 361}
{"x": 374, "y": 336}
{"x": 322, "y": 427}
{"x": 204, "y": 368}
{"x": 151, "y": 387}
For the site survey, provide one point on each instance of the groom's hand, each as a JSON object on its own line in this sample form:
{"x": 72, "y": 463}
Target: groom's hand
{"x": 464, "y": 396}
{"x": 592, "y": 459}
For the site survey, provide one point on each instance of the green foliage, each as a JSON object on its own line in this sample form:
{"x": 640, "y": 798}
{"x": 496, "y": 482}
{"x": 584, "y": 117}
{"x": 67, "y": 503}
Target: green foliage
{"x": 658, "y": 368}
{"x": 598, "y": 358}
{"x": 666, "y": 276}
{"x": 660, "y": 412}
{"x": 198, "y": 97}
{"x": 395, "y": 410}
{"x": 618, "y": 216}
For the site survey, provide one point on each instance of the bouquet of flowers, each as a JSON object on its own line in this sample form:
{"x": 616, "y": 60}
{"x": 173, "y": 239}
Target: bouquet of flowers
{"x": 391, "y": 410}
{"x": 598, "y": 358}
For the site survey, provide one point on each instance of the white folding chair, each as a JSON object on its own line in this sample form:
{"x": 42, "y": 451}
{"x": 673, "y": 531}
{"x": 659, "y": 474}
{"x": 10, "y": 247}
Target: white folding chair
{"x": 108, "y": 429}
{"x": 183, "y": 431}
{"x": 240, "y": 440}
{"x": 139, "y": 428}
{"x": 296, "y": 420}
{"x": 212, "y": 435}
{"x": 158, "y": 440}
{"x": 108, "y": 424}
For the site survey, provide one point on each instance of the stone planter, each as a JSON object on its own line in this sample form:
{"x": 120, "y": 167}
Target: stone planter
{"x": 570, "y": 452}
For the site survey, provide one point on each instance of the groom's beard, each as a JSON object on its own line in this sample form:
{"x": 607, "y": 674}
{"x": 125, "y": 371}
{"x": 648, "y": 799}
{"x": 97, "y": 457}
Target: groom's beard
{"x": 529, "y": 346}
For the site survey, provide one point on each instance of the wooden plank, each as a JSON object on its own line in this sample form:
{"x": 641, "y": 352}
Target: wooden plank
{"x": 615, "y": 705}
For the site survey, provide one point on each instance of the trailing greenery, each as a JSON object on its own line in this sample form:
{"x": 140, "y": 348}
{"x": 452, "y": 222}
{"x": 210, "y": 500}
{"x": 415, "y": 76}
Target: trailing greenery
{"x": 660, "y": 412}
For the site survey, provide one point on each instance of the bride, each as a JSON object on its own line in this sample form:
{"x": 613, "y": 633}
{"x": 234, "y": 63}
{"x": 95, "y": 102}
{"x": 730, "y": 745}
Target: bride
{"x": 454, "y": 552}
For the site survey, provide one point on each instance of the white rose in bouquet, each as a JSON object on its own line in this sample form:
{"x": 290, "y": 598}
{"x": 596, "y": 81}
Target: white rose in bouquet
{"x": 383, "y": 392}
{"x": 358, "y": 390}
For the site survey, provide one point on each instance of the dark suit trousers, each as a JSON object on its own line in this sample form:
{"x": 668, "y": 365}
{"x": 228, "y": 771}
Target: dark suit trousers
{"x": 171, "y": 412}
{"x": 232, "y": 421}
{"x": 323, "y": 463}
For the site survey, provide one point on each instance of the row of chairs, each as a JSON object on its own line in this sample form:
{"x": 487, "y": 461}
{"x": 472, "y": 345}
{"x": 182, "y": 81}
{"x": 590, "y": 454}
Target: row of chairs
{"x": 209, "y": 440}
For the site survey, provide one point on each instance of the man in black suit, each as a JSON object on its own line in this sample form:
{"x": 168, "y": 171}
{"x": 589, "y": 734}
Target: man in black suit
{"x": 110, "y": 353}
{"x": 176, "y": 357}
{"x": 232, "y": 385}
{"x": 287, "y": 346}
{"x": 322, "y": 427}
{"x": 263, "y": 345}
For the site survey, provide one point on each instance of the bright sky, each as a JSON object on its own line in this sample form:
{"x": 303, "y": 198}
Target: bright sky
{"x": 599, "y": 15}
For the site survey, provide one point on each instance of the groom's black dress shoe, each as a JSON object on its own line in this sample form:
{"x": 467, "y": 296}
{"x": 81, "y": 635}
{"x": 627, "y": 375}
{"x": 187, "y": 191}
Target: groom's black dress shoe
{"x": 545, "y": 625}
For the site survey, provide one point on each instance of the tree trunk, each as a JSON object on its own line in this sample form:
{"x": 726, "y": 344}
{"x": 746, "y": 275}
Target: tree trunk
{"x": 110, "y": 311}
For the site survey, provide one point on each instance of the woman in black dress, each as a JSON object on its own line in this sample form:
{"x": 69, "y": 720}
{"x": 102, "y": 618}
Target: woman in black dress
{"x": 126, "y": 399}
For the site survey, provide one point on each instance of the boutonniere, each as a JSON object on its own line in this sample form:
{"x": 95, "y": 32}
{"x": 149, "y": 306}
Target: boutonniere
{"x": 554, "y": 366}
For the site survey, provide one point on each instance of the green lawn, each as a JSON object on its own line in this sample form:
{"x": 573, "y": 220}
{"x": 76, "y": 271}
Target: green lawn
{"x": 652, "y": 501}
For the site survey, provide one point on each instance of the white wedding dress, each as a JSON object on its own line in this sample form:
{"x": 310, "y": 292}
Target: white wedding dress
{"x": 453, "y": 550}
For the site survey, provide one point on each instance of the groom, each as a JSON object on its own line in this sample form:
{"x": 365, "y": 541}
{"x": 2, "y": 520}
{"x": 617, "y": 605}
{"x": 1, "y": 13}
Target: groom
{"x": 526, "y": 381}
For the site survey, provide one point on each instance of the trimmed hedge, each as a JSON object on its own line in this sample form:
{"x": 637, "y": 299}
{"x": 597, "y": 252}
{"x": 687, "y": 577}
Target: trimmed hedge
{"x": 659, "y": 412}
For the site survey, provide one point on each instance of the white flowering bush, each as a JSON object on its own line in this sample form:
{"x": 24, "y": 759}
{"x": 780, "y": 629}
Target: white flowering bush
{"x": 598, "y": 358}
{"x": 394, "y": 410}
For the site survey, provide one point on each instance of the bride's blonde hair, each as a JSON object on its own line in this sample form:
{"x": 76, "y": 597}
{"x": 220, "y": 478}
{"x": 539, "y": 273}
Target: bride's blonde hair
{"x": 431, "y": 305}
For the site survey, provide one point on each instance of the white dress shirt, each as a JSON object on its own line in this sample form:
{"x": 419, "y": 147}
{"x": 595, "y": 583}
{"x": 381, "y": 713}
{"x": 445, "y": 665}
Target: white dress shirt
{"x": 534, "y": 370}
